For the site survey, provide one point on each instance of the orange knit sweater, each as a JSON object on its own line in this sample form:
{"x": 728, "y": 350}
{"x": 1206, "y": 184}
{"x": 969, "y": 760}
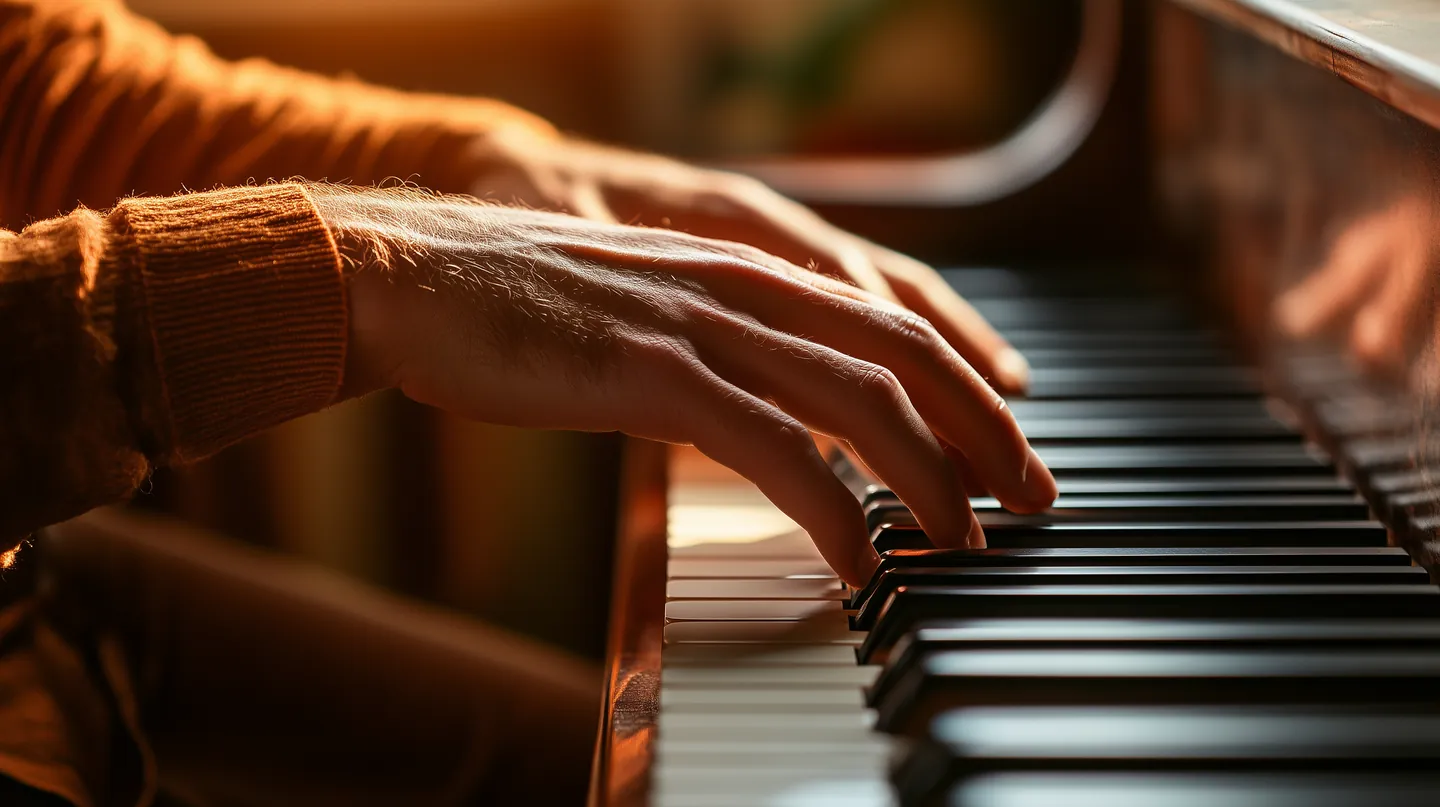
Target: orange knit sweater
{"x": 169, "y": 327}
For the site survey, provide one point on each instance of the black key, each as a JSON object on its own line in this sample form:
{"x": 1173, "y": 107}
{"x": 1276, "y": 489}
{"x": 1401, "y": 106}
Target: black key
{"x": 966, "y": 743}
{"x": 909, "y": 606}
{"x": 867, "y": 606}
{"x": 1140, "y": 382}
{"x": 1184, "y": 458}
{"x": 1145, "y": 632}
{"x": 958, "y": 678}
{"x": 1049, "y": 789}
{"x": 1162, "y": 486}
{"x": 907, "y": 535}
{"x": 1149, "y": 429}
{"x": 1026, "y": 410}
{"x": 979, "y": 282}
{"x": 1025, "y": 339}
{"x": 1134, "y": 355}
{"x": 1135, "y": 316}
{"x": 1136, "y": 556}
{"x": 1113, "y": 509}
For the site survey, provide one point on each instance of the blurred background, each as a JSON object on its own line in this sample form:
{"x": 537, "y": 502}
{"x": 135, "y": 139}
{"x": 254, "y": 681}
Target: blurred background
{"x": 516, "y": 526}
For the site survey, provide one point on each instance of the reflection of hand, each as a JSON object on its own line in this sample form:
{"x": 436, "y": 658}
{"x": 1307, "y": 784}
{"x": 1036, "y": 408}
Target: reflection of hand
{"x": 611, "y": 185}
{"x": 544, "y": 320}
{"x": 1373, "y": 282}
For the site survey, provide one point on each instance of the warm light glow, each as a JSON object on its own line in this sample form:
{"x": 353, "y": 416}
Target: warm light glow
{"x": 692, "y": 524}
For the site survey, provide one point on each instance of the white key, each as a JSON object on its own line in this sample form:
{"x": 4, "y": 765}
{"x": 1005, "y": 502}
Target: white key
{"x": 781, "y": 700}
{"x": 749, "y": 610}
{"x": 767, "y": 676}
{"x": 793, "y": 568}
{"x": 757, "y": 654}
{"x": 755, "y": 590}
{"x": 856, "y": 725}
{"x": 831, "y": 630}
{"x": 792, "y": 544}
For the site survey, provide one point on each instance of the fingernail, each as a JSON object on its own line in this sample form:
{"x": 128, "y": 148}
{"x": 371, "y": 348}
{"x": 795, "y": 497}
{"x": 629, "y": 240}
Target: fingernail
{"x": 1038, "y": 480}
{"x": 976, "y": 538}
{"x": 1012, "y": 370}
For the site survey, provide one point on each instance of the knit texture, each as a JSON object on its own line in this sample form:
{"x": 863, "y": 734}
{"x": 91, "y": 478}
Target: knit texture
{"x": 246, "y": 308}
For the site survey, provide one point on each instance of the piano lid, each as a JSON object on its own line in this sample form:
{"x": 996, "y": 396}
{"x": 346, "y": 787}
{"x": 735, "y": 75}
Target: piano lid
{"x": 1389, "y": 48}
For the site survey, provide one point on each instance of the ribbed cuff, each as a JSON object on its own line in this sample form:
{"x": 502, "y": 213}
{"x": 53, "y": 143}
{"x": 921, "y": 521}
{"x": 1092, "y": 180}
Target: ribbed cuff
{"x": 245, "y": 303}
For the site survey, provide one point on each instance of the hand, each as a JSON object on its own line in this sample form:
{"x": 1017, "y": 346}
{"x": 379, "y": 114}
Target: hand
{"x": 611, "y": 185}
{"x": 550, "y": 321}
{"x": 1371, "y": 283}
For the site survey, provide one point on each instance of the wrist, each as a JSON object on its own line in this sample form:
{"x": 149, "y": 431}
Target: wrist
{"x": 365, "y": 259}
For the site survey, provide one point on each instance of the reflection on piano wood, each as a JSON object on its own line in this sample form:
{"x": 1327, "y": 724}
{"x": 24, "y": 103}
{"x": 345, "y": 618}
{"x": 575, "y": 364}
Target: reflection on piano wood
{"x": 1225, "y": 605}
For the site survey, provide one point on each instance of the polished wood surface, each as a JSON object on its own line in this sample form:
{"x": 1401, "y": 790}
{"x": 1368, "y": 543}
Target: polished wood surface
{"x": 1389, "y": 48}
{"x": 625, "y": 748}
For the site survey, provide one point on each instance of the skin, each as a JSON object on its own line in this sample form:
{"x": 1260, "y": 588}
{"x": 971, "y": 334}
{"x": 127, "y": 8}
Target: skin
{"x": 547, "y": 320}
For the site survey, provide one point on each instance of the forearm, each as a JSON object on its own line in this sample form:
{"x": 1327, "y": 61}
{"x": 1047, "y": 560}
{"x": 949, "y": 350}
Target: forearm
{"x": 99, "y": 104}
{"x": 158, "y": 333}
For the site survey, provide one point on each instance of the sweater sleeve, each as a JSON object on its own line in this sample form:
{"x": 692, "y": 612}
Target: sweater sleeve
{"x": 97, "y": 104}
{"x": 159, "y": 332}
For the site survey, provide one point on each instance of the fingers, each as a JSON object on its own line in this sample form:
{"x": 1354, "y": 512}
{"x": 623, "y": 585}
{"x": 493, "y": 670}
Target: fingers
{"x": 949, "y": 395}
{"x": 791, "y": 231}
{"x": 1331, "y": 293}
{"x": 767, "y": 446}
{"x": 587, "y": 201}
{"x": 853, "y": 400}
{"x": 920, "y": 289}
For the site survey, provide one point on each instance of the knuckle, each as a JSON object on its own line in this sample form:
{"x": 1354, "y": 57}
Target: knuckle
{"x": 663, "y": 351}
{"x": 911, "y": 327}
{"x": 790, "y": 433}
{"x": 879, "y": 384}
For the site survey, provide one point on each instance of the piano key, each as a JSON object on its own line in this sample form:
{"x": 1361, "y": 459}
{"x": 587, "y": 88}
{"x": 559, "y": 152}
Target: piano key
{"x": 1135, "y": 316}
{"x": 1030, "y": 410}
{"x": 1335, "y": 506}
{"x": 969, "y": 742}
{"x": 1118, "y": 556}
{"x": 1116, "y": 429}
{"x": 745, "y": 569}
{"x": 767, "y": 676}
{"x": 905, "y": 534}
{"x": 780, "y": 700}
{"x": 783, "y": 589}
{"x": 1231, "y": 789}
{"x": 1162, "y": 486}
{"x": 1352, "y": 556}
{"x": 909, "y": 606}
{"x": 748, "y": 610}
{"x": 719, "y": 726}
{"x": 1185, "y": 458}
{"x": 832, "y": 630}
{"x": 941, "y": 681}
{"x": 981, "y": 282}
{"x": 1148, "y": 632}
{"x": 726, "y": 787}
{"x": 1128, "y": 356}
{"x": 1140, "y": 382}
{"x": 1024, "y": 339}
{"x": 757, "y": 654}
{"x": 868, "y": 604}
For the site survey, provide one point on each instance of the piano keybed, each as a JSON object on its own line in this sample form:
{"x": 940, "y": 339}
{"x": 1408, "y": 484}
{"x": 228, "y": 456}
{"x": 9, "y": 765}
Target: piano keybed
{"x": 1209, "y": 615}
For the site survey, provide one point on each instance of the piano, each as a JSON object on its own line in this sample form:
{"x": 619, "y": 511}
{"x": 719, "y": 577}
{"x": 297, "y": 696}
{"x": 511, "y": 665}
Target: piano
{"x": 1232, "y": 601}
